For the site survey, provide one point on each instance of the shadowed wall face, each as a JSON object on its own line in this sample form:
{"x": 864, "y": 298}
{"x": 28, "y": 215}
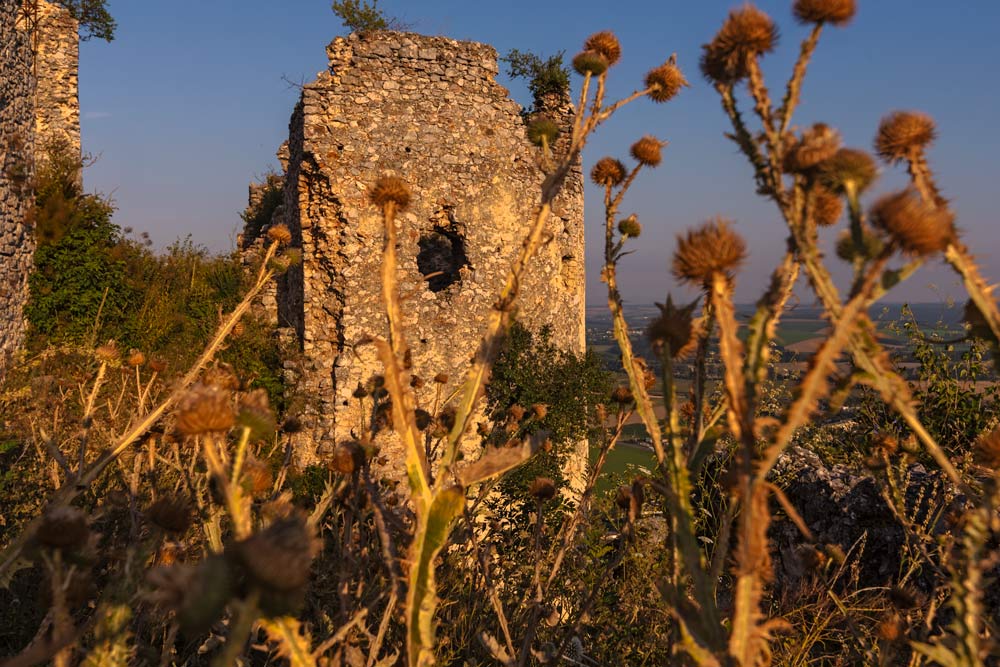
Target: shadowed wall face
{"x": 427, "y": 109}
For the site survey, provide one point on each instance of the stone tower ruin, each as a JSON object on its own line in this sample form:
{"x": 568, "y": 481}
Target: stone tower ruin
{"x": 427, "y": 109}
{"x": 39, "y": 107}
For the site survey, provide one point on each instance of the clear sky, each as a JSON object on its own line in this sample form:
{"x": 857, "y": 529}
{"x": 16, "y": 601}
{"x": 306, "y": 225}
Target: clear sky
{"x": 191, "y": 100}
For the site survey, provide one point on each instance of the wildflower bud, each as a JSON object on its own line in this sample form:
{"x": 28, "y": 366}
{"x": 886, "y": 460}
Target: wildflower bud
{"x": 543, "y": 132}
{"x": 630, "y": 226}
{"x": 606, "y": 44}
{"x": 390, "y": 189}
{"x": 665, "y": 82}
{"x": 837, "y": 12}
{"x": 590, "y": 62}
{"x": 257, "y": 478}
{"x": 904, "y": 134}
{"x": 280, "y": 234}
{"x": 608, "y": 172}
{"x": 710, "y": 249}
{"x": 539, "y": 410}
{"x": 348, "y": 457}
{"x": 108, "y": 353}
{"x": 673, "y": 329}
{"x": 848, "y": 168}
{"x": 63, "y": 528}
{"x": 170, "y": 514}
{"x": 647, "y": 151}
{"x": 204, "y": 409}
{"x": 255, "y": 414}
{"x": 136, "y": 358}
{"x": 291, "y": 256}
{"x": 885, "y": 442}
{"x": 542, "y": 489}
{"x": 920, "y": 228}
{"x": 441, "y": 378}
{"x": 199, "y": 594}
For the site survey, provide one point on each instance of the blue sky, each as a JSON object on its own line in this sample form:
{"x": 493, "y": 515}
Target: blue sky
{"x": 191, "y": 100}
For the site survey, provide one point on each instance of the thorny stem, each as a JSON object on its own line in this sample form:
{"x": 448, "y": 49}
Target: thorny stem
{"x": 794, "y": 88}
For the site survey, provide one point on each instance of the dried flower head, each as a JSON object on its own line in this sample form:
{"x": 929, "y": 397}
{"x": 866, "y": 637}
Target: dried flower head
{"x": 712, "y": 248}
{"x": 871, "y": 245}
{"x": 747, "y": 33}
{"x": 108, "y": 353}
{"x": 63, "y": 528}
{"x": 280, "y": 234}
{"x": 902, "y": 599}
{"x": 837, "y": 12}
{"x": 204, "y": 409}
{"x": 136, "y": 358}
{"x": 221, "y": 376}
{"x": 819, "y": 143}
{"x": 348, "y": 457}
{"x": 542, "y": 489}
{"x": 157, "y": 365}
{"x": 279, "y": 557}
{"x": 515, "y": 412}
{"x": 390, "y": 189}
{"x": 441, "y": 378}
{"x": 673, "y": 330}
{"x": 422, "y": 418}
{"x": 416, "y": 382}
{"x": 255, "y": 413}
{"x": 590, "y": 62}
{"x": 988, "y": 450}
{"x": 848, "y": 168}
{"x": 257, "y": 477}
{"x": 360, "y": 391}
{"x": 647, "y": 151}
{"x": 918, "y": 227}
{"x": 892, "y": 628}
{"x": 904, "y": 134}
{"x": 827, "y": 207}
{"x": 606, "y": 44}
{"x": 543, "y": 131}
{"x": 622, "y": 395}
{"x": 608, "y": 172}
{"x": 630, "y": 226}
{"x": 665, "y": 82}
{"x": 539, "y": 410}
{"x": 171, "y": 514}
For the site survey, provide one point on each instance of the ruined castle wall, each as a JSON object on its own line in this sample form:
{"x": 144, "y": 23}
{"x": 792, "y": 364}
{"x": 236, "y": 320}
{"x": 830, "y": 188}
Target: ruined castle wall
{"x": 38, "y": 104}
{"x": 427, "y": 109}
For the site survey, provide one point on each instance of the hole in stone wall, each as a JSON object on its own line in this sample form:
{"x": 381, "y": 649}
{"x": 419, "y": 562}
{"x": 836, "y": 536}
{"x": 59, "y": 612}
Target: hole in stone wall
{"x": 441, "y": 257}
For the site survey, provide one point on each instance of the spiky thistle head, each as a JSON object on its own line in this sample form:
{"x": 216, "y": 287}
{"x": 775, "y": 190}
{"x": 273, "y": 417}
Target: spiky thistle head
{"x": 108, "y": 353}
{"x": 606, "y": 44}
{"x": 63, "y": 528}
{"x": 746, "y": 34}
{"x": 827, "y": 207}
{"x": 837, "y": 12}
{"x": 647, "y": 151}
{"x": 204, "y": 409}
{"x": 848, "y": 250}
{"x": 590, "y": 62}
{"x": 280, "y": 234}
{"x": 673, "y": 329}
{"x": 542, "y": 489}
{"x": 630, "y": 226}
{"x": 903, "y": 134}
{"x": 818, "y": 144}
{"x": 710, "y": 249}
{"x": 919, "y": 228}
{"x": 608, "y": 172}
{"x": 390, "y": 190}
{"x": 543, "y": 131}
{"x": 171, "y": 514}
{"x": 665, "y": 82}
{"x": 848, "y": 168}
{"x": 136, "y": 358}
{"x": 279, "y": 557}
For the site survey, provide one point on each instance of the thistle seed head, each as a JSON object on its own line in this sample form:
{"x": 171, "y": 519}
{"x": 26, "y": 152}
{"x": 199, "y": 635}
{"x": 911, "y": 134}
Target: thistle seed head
{"x": 871, "y": 246}
{"x": 441, "y": 378}
{"x": 257, "y": 478}
{"x": 903, "y": 134}
{"x": 136, "y": 358}
{"x": 837, "y": 12}
{"x": 108, "y": 353}
{"x": 539, "y": 410}
{"x": 348, "y": 457}
{"x": 606, "y": 44}
{"x": 827, "y": 207}
{"x": 221, "y": 376}
{"x": 674, "y": 328}
{"x": 279, "y": 557}
{"x": 747, "y": 33}
{"x": 622, "y": 395}
{"x": 710, "y": 249}
{"x": 63, "y": 528}
{"x": 542, "y": 489}
{"x": 848, "y": 167}
{"x": 647, "y": 151}
{"x": 542, "y": 131}
{"x": 204, "y": 409}
{"x": 171, "y": 514}
{"x": 608, "y": 172}
{"x": 280, "y": 233}
{"x": 630, "y": 226}
{"x": 590, "y": 62}
{"x": 919, "y": 228}
{"x": 665, "y": 82}
{"x": 255, "y": 414}
{"x": 390, "y": 189}
{"x": 818, "y": 144}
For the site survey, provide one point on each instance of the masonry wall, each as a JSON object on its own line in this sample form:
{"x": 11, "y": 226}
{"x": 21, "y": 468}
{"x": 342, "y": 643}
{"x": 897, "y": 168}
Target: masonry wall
{"x": 39, "y": 105}
{"x": 429, "y": 110}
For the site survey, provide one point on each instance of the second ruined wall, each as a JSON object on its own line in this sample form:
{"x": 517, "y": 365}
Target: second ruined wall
{"x": 429, "y": 110}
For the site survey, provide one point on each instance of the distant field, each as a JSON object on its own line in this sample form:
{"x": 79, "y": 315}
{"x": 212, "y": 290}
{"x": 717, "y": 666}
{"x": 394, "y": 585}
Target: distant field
{"x": 624, "y": 459}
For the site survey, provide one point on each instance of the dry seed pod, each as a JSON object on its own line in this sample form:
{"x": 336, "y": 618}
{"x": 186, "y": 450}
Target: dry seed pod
{"x": 710, "y": 249}
{"x": 747, "y": 33}
{"x": 539, "y": 410}
{"x": 836, "y": 12}
{"x": 441, "y": 378}
{"x": 904, "y": 133}
{"x": 665, "y": 82}
{"x": 280, "y": 233}
{"x": 221, "y": 376}
{"x": 827, "y": 207}
{"x": 390, "y": 189}
{"x": 608, "y": 172}
{"x": 542, "y": 489}
{"x": 979, "y": 326}
{"x": 622, "y": 394}
{"x": 422, "y": 418}
{"x": 918, "y": 227}
{"x": 673, "y": 329}
{"x": 606, "y": 44}
{"x": 204, "y": 409}
{"x": 647, "y": 151}
{"x": 279, "y": 557}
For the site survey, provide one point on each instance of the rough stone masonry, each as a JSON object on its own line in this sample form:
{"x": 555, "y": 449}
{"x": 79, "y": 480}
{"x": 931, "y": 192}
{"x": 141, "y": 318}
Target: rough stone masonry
{"x": 427, "y": 109}
{"x": 39, "y": 106}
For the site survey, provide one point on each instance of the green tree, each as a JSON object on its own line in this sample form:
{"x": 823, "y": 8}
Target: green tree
{"x": 547, "y": 76}
{"x": 93, "y": 16}
{"x": 362, "y": 16}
